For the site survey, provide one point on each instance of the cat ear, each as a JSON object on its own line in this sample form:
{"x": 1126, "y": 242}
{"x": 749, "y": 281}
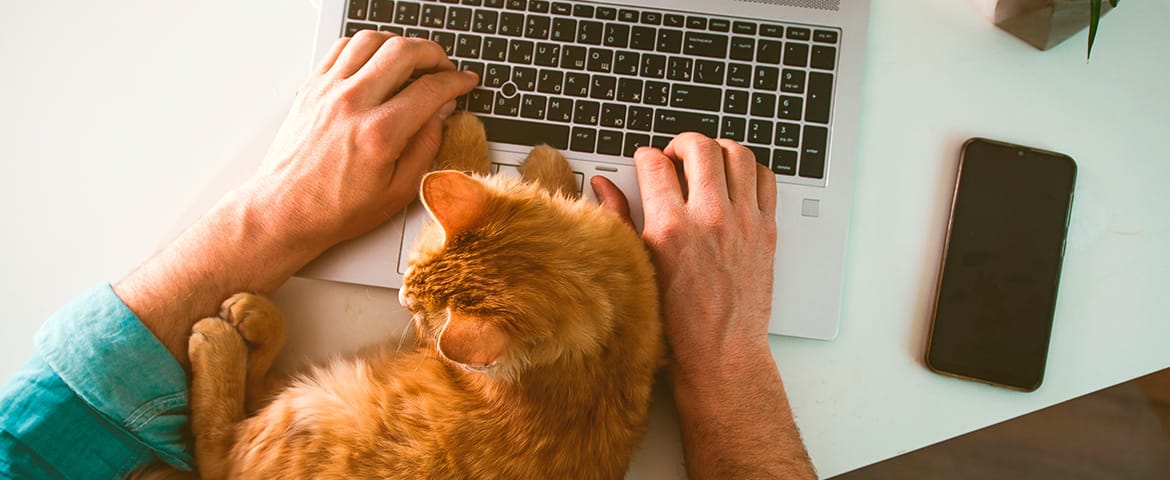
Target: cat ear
{"x": 454, "y": 199}
{"x": 472, "y": 341}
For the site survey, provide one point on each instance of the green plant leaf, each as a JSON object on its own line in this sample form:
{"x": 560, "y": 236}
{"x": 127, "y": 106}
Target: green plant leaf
{"x": 1094, "y": 20}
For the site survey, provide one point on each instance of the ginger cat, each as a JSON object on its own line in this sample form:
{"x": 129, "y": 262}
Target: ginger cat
{"x": 537, "y": 331}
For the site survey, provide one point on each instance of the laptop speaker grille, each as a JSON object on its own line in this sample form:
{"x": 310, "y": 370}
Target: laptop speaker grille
{"x": 833, "y": 5}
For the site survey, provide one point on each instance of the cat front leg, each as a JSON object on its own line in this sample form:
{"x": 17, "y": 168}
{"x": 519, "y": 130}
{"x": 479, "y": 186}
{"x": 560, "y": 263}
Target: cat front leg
{"x": 262, "y": 326}
{"x": 218, "y": 355}
{"x": 548, "y": 168}
{"x": 464, "y": 146}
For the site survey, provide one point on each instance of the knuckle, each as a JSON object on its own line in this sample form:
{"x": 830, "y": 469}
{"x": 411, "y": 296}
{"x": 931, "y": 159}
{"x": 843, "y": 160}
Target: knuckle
{"x": 367, "y": 35}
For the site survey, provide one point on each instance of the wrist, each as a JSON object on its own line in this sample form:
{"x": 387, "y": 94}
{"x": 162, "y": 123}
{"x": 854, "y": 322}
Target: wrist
{"x": 713, "y": 371}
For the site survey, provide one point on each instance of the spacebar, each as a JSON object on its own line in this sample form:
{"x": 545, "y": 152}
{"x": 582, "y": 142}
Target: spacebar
{"x": 520, "y": 132}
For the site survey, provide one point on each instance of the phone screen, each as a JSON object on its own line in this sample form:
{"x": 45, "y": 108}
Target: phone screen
{"x": 1001, "y": 265}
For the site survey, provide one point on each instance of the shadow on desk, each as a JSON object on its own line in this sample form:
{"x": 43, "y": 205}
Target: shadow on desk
{"x": 1119, "y": 432}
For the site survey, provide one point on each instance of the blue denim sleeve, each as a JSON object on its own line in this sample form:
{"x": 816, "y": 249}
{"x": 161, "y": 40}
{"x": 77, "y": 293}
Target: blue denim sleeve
{"x": 101, "y": 397}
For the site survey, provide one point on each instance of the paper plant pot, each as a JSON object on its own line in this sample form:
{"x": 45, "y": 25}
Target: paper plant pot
{"x": 1044, "y": 23}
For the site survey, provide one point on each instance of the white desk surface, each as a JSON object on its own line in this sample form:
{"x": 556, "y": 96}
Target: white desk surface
{"x": 120, "y": 122}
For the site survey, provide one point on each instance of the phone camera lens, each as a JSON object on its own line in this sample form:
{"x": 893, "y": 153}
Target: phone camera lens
{"x": 1019, "y": 153}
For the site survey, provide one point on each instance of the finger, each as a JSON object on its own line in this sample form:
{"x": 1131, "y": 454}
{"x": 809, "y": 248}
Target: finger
{"x": 657, "y": 182}
{"x": 702, "y": 160}
{"x": 396, "y": 61}
{"x": 331, "y": 57}
{"x": 741, "y": 172}
{"x": 766, "y": 190}
{"x": 415, "y": 105}
{"x": 414, "y": 162}
{"x": 358, "y": 51}
{"x": 611, "y": 198}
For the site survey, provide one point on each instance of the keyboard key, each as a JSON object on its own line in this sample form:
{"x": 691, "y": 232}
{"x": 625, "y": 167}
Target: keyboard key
{"x": 351, "y": 28}
{"x": 673, "y": 20}
{"x": 418, "y": 33}
{"x": 406, "y": 13}
{"x": 706, "y": 45}
{"x": 573, "y": 57}
{"x": 823, "y": 57}
{"x": 787, "y": 135}
{"x": 679, "y": 68}
{"x": 763, "y": 105}
{"x": 493, "y": 3}
{"x": 772, "y": 31}
{"x": 651, "y": 18}
{"x": 495, "y": 76}
{"x": 584, "y": 11}
{"x": 494, "y": 49}
{"x": 799, "y": 33}
{"x": 511, "y": 24}
{"x": 356, "y": 10}
{"x": 600, "y": 60}
{"x": 792, "y": 81}
{"x": 480, "y": 101}
{"x": 762, "y": 154}
{"x": 784, "y": 161}
{"x": 564, "y": 29}
{"x": 533, "y": 106}
{"x": 524, "y": 78}
{"x": 577, "y": 84}
{"x": 583, "y": 140}
{"x": 719, "y": 25}
{"x": 589, "y": 32}
{"x": 790, "y": 108}
{"x": 735, "y": 101}
{"x": 820, "y": 90}
{"x": 812, "y": 152}
{"x": 656, "y": 93}
{"x": 819, "y": 36}
{"x": 507, "y": 106}
{"x": 550, "y": 81}
{"x": 472, "y": 3}
{"x": 446, "y": 40}
{"x": 743, "y": 48}
{"x": 796, "y": 54}
{"x": 562, "y": 8}
{"x": 759, "y": 131}
{"x": 660, "y": 141}
{"x": 746, "y": 28}
{"x": 613, "y": 115}
{"x": 633, "y": 142}
{"x": 695, "y": 97}
{"x": 675, "y": 122}
{"x": 520, "y": 51}
{"x": 769, "y": 51}
{"x": 653, "y": 66}
{"x": 616, "y": 35}
{"x": 473, "y": 67}
{"x": 733, "y": 128}
{"x": 697, "y": 23}
{"x": 626, "y": 63}
{"x": 547, "y": 54}
{"x": 459, "y": 18}
{"x": 484, "y": 21}
{"x": 630, "y": 90}
{"x": 523, "y": 132}
{"x": 669, "y": 41}
{"x": 467, "y": 46}
{"x": 709, "y": 72}
{"x": 560, "y": 110}
{"x": 640, "y": 118}
{"x": 603, "y": 87}
{"x": 392, "y": 29}
{"x": 628, "y": 16}
{"x": 516, "y": 4}
{"x": 643, "y": 38}
{"x": 538, "y": 6}
{"x": 739, "y": 75}
{"x": 609, "y": 142}
{"x": 382, "y": 11}
{"x": 766, "y": 78}
{"x": 607, "y": 13}
{"x": 537, "y": 27}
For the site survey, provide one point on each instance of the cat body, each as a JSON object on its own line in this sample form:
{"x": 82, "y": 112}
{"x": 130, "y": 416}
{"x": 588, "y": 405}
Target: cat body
{"x": 537, "y": 335}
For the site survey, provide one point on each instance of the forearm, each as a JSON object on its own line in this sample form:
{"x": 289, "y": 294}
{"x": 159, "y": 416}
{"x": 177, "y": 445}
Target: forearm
{"x": 736, "y": 421}
{"x": 237, "y": 246}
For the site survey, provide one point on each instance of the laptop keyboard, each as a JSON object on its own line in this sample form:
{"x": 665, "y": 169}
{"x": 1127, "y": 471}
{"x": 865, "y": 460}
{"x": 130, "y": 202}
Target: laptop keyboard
{"x": 605, "y": 80}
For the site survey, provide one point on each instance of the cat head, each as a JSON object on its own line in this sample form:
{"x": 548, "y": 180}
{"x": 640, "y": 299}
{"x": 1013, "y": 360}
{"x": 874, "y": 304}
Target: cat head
{"x": 509, "y": 277}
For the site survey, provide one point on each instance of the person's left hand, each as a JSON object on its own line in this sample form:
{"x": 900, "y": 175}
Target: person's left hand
{"x": 353, "y": 149}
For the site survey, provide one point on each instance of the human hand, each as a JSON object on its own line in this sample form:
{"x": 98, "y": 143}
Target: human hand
{"x": 713, "y": 244}
{"x": 353, "y": 149}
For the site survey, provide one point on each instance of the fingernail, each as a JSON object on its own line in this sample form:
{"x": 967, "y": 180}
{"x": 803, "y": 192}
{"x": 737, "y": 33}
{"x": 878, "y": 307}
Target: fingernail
{"x": 472, "y": 75}
{"x": 447, "y": 110}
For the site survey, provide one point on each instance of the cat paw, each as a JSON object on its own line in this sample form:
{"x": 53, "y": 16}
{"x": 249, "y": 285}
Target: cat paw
{"x": 256, "y": 318}
{"x": 214, "y": 340}
{"x": 547, "y": 167}
{"x": 464, "y": 145}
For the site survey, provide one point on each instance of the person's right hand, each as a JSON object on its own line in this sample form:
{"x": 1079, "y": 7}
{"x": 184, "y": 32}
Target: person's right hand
{"x": 713, "y": 244}
{"x": 354, "y": 147}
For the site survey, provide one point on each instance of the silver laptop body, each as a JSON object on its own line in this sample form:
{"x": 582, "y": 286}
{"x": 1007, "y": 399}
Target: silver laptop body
{"x": 696, "y": 71}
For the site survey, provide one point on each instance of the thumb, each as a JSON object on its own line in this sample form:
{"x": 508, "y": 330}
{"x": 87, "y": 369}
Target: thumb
{"x": 414, "y": 162}
{"x": 611, "y": 198}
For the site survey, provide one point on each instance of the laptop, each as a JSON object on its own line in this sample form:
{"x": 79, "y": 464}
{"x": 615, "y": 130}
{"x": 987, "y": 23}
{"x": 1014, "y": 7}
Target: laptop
{"x": 600, "y": 79}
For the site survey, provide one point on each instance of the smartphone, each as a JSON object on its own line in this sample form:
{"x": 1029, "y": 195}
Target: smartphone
{"x": 996, "y": 297}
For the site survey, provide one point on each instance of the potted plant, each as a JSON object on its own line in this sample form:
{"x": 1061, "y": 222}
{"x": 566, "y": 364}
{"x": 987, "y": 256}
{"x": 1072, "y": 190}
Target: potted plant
{"x": 1046, "y": 23}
